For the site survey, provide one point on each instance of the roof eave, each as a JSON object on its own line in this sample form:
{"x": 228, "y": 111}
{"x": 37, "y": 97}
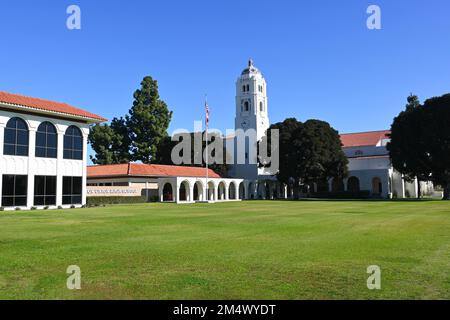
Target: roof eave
{"x": 144, "y": 176}
{"x": 89, "y": 120}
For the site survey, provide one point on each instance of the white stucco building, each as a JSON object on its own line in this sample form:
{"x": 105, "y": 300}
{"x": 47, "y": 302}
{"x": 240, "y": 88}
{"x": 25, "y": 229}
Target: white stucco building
{"x": 162, "y": 183}
{"x": 252, "y": 117}
{"x": 370, "y": 171}
{"x": 180, "y": 184}
{"x": 43, "y": 152}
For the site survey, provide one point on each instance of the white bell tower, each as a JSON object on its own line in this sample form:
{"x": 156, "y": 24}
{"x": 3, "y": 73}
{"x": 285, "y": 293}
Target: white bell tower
{"x": 251, "y": 113}
{"x": 251, "y": 101}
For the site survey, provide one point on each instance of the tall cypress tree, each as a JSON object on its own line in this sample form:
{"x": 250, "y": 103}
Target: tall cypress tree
{"x": 147, "y": 121}
{"x": 100, "y": 138}
{"x": 111, "y": 143}
{"x": 121, "y": 141}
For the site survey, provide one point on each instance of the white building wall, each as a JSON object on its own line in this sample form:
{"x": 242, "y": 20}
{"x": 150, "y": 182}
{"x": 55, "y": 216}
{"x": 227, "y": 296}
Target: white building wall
{"x": 369, "y": 163}
{"x": 366, "y": 180}
{"x": 255, "y": 119}
{"x": 190, "y": 182}
{"x": 32, "y": 166}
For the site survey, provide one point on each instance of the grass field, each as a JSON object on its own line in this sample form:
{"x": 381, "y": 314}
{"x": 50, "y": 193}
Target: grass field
{"x": 246, "y": 250}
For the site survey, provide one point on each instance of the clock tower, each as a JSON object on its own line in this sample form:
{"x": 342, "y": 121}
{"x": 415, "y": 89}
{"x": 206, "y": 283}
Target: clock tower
{"x": 251, "y": 113}
{"x": 251, "y": 101}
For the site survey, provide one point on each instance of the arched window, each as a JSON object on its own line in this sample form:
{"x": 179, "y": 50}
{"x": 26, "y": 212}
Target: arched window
{"x": 73, "y": 143}
{"x": 246, "y": 105}
{"x": 16, "y": 138}
{"x": 337, "y": 185}
{"x": 241, "y": 191}
{"x": 353, "y": 184}
{"x": 46, "y": 141}
{"x": 248, "y": 87}
{"x": 251, "y": 190}
{"x": 232, "y": 191}
{"x": 221, "y": 191}
{"x": 261, "y": 106}
{"x": 243, "y": 88}
{"x": 377, "y": 186}
{"x": 184, "y": 191}
{"x": 167, "y": 192}
{"x": 211, "y": 191}
{"x": 198, "y": 191}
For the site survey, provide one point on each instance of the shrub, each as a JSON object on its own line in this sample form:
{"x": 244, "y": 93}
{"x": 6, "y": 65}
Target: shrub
{"x": 2, "y": 209}
{"x": 102, "y": 201}
{"x": 72, "y": 207}
{"x": 60, "y": 207}
{"x": 46, "y": 207}
{"x": 365, "y": 194}
{"x": 18, "y": 209}
{"x": 33, "y": 208}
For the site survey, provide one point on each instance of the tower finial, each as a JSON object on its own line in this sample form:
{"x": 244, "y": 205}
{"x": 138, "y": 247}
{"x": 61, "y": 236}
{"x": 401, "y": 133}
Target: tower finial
{"x": 250, "y": 62}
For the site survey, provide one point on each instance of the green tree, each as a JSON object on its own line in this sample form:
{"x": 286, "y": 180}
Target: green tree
{"x": 420, "y": 142}
{"x": 310, "y": 152}
{"x": 407, "y": 150}
{"x": 111, "y": 143}
{"x": 147, "y": 121}
{"x": 100, "y": 138}
{"x": 121, "y": 142}
{"x": 287, "y": 156}
{"x": 165, "y": 151}
{"x": 413, "y": 102}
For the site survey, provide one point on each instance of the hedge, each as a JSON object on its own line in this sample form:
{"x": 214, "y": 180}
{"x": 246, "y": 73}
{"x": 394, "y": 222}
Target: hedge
{"x": 99, "y": 201}
{"x": 341, "y": 195}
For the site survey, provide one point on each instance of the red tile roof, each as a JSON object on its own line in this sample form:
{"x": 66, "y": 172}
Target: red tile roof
{"x": 153, "y": 170}
{"x": 385, "y": 156}
{"x": 46, "y": 105}
{"x": 361, "y": 139}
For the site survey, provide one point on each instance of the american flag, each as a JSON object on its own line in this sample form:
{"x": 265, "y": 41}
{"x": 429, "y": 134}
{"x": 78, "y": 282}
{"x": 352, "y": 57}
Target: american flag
{"x": 206, "y": 114}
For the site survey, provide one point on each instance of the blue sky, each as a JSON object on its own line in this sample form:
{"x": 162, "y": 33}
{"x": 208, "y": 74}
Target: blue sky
{"x": 318, "y": 57}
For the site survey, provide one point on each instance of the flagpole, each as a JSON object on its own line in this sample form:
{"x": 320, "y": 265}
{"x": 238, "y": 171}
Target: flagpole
{"x": 206, "y": 137}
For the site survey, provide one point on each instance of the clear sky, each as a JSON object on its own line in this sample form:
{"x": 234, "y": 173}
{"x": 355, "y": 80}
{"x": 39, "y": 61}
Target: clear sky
{"x": 318, "y": 57}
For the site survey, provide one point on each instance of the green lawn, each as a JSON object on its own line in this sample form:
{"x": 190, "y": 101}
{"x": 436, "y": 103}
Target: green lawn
{"x": 241, "y": 250}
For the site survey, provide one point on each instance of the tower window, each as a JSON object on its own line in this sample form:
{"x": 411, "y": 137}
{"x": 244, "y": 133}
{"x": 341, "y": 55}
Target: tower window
{"x": 261, "y": 107}
{"x": 246, "y": 105}
{"x": 243, "y": 88}
{"x": 248, "y": 88}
